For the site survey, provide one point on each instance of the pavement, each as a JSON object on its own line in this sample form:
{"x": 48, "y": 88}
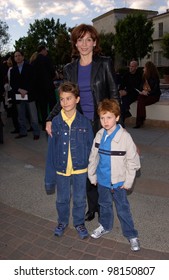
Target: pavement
{"x": 28, "y": 216}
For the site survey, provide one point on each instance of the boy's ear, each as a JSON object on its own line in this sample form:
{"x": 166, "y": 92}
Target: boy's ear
{"x": 117, "y": 118}
{"x": 78, "y": 99}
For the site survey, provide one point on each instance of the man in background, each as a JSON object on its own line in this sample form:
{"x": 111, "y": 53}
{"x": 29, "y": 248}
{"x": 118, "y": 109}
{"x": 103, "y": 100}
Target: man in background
{"x": 44, "y": 74}
{"x": 130, "y": 83}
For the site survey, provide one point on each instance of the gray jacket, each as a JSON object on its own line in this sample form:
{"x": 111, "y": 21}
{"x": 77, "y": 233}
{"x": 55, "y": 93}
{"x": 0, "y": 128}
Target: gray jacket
{"x": 125, "y": 160}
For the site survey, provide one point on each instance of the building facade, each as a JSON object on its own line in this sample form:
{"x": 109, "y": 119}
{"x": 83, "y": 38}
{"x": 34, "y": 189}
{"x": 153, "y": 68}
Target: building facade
{"x": 106, "y": 24}
{"x": 161, "y": 27}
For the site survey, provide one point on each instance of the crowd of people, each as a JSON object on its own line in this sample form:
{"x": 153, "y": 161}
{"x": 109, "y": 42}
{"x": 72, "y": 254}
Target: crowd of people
{"x": 90, "y": 154}
{"x": 28, "y": 90}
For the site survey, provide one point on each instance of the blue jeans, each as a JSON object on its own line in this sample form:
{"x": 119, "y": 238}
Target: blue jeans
{"x": 23, "y": 108}
{"x": 119, "y": 196}
{"x": 74, "y": 185}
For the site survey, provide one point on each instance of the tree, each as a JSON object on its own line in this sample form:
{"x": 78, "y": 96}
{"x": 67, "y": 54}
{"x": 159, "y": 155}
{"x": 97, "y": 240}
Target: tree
{"x": 53, "y": 34}
{"x": 27, "y": 44}
{"x": 133, "y": 38}
{"x": 4, "y": 36}
{"x": 106, "y": 43}
{"x": 165, "y": 45}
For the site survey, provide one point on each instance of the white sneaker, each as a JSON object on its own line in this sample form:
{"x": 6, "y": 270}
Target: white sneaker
{"x": 98, "y": 232}
{"x": 135, "y": 244}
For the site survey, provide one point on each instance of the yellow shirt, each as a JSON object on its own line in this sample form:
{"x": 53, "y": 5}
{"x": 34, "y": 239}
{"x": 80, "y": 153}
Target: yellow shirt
{"x": 69, "y": 169}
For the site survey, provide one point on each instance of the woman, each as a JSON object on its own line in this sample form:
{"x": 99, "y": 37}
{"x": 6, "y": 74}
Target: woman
{"x": 150, "y": 92}
{"x": 94, "y": 75}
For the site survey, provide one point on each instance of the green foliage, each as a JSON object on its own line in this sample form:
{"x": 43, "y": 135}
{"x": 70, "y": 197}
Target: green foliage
{"x": 53, "y": 34}
{"x": 106, "y": 44}
{"x": 165, "y": 45}
{"x": 133, "y": 38}
{"x": 4, "y": 36}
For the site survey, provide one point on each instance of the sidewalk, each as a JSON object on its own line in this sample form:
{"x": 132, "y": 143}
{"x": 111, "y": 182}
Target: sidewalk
{"x": 28, "y": 237}
{"x": 28, "y": 216}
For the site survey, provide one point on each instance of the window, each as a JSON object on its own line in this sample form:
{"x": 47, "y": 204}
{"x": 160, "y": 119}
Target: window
{"x": 158, "y": 58}
{"x": 160, "y": 26}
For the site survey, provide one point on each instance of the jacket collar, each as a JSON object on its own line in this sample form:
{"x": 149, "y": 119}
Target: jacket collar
{"x": 116, "y": 138}
{"x": 76, "y": 120}
{"x": 96, "y": 62}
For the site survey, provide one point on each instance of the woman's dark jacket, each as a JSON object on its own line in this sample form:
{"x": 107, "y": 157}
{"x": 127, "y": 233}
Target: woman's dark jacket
{"x": 154, "y": 84}
{"x": 102, "y": 81}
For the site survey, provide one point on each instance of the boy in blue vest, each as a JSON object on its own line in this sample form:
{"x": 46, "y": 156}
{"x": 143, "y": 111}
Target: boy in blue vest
{"x": 67, "y": 160}
{"x": 113, "y": 163}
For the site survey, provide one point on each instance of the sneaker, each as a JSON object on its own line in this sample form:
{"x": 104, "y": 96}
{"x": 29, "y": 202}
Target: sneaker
{"x": 59, "y": 230}
{"x": 135, "y": 244}
{"x": 82, "y": 231}
{"x": 98, "y": 232}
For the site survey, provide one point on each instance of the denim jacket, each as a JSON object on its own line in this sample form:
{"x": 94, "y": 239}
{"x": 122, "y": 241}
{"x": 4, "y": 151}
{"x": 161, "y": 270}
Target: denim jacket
{"x": 80, "y": 136}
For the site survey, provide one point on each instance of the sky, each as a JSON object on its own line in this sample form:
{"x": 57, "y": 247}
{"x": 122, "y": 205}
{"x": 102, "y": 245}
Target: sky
{"x": 19, "y": 14}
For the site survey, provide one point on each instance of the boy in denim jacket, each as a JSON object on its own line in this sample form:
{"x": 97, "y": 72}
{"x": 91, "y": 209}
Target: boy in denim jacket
{"x": 67, "y": 160}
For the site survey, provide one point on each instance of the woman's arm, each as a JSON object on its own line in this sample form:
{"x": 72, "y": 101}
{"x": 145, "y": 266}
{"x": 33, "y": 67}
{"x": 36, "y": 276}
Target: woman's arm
{"x": 55, "y": 111}
{"x": 155, "y": 87}
{"x": 113, "y": 90}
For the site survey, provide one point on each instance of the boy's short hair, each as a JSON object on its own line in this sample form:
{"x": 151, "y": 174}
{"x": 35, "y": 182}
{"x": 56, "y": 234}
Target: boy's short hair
{"x": 69, "y": 87}
{"x": 109, "y": 105}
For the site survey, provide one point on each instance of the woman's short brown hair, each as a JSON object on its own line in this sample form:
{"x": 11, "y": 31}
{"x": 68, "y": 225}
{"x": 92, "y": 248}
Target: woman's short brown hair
{"x": 109, "y": 105}
{"x": 79, "y": 32}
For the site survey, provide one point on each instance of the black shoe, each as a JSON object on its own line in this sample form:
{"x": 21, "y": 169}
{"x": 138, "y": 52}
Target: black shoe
{"x": 128, "y": 115}
{"x": 137, "y": 126}
{"x": 89, "y": 216}
{"x": 30, "y": 129}
{"x": 15, "y": 131}
{"x": 20, "y": 136}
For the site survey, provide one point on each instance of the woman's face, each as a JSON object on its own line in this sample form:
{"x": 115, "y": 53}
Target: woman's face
{"x": 85, "y": 45}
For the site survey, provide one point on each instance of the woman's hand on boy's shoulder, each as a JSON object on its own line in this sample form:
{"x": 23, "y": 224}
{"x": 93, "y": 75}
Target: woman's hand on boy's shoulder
{"x": 48, "y": 128}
